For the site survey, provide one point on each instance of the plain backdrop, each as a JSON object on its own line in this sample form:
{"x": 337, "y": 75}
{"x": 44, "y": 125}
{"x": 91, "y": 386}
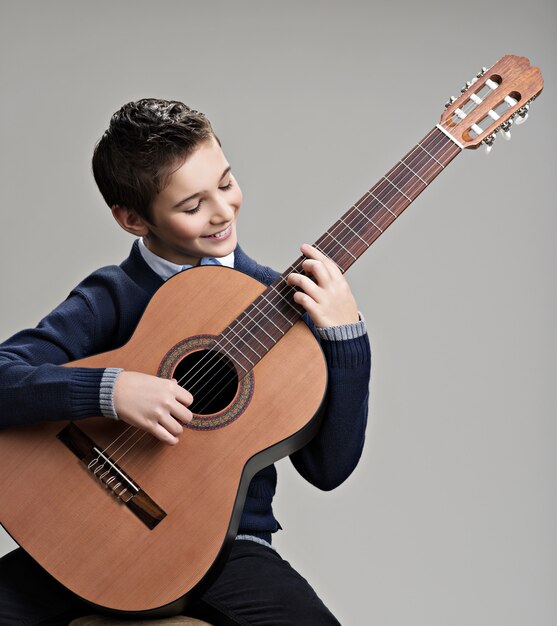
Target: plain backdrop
{"x": 451, "y": 515}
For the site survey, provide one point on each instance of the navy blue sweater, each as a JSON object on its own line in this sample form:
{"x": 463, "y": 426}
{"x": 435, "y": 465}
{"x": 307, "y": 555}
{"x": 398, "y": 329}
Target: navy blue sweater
{"x": 101, "y": 314}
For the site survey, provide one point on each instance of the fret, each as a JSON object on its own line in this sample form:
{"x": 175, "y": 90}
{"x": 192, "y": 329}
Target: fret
{"x": 438, "y": 144}
{"x": 399, "y": 190}
{"x": 274, "y": 307}
{"x": 231, "y": 357}
{"x": 378, "y": 227}
{"x": 298, "y": 270}
{"x": 260, "y": 327}
{"x": 266, "y": 320}
{"x": 338, "y": 242}
{"x": 248, "y": 345}
{"x": 349, "y": 237}
{"x": 367, "y": 217}
{"x": 291, "y": 290}
{"x": 413, "y": 172}
{"x": 382, "y": 204}
{"x": 430, "y": 155}
{"x": 352, "y": 230}
{"x": 254, "y": 335}
{"x": 425, "y": 165}
{"x": 328, "y": 255}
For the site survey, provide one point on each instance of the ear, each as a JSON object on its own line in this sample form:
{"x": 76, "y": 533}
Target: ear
{"x": 130, "y": 221}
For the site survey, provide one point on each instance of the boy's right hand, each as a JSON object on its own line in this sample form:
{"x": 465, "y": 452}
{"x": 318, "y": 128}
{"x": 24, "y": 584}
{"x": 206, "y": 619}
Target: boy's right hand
{"x": 156, "y": 405}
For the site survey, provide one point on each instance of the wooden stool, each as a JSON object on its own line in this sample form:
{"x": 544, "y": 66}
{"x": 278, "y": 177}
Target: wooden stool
{"x": 99, "y": 620}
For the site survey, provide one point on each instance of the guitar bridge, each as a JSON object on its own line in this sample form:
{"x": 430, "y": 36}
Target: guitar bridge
{"x": 111, "y": 476}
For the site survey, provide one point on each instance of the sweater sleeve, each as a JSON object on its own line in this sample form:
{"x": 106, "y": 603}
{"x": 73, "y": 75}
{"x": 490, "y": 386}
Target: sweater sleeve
{"x": 333, "y": 454}
{"x": 33, "y": 385}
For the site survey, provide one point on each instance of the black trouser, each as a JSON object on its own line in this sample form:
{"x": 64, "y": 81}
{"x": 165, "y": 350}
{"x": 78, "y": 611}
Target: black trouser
{"x": 255, "y": 587}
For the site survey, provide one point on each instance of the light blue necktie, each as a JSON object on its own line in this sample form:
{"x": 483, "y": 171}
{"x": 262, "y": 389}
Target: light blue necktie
{"x": 209, "y": 260}
{"x": 206, "y": 260}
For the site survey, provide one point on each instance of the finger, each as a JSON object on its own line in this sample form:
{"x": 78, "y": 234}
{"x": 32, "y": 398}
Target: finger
{"x": 307, "y": 302}
{"x": 170, "y": 424}
{"x": 317, "y": 269}
{"x": 181, "y": 413}
{"x": 183, "y": 395}
{"x": 305, "y": 283}
{"x": 163, "y": 435}
{"x": 313, "y": 253}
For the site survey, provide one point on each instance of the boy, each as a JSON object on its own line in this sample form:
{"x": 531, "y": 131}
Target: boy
{"x": 161, "y": 170}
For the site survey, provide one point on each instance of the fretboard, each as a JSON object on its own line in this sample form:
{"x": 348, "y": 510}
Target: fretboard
{"x": 251, "y": 335}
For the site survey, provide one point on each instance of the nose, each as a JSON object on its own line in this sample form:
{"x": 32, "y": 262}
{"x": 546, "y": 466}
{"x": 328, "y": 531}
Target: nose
{"x": 222, "y": 212}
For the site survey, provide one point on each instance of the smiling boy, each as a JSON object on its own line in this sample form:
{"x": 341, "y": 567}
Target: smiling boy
{"x": 162, "y": 171}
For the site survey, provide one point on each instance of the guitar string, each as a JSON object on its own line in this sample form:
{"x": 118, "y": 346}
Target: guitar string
{"x": 355, "y": 225}
{"x": 336, "y": 243}
{"x": 360, "y": 219}
{"x": 340, "y": 243}
{"x": 217, "y": 369}
{"x": 331, "y": 233}
{"x": 244, "y": 328}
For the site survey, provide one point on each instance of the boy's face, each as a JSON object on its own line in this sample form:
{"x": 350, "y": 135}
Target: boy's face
{"x": 195, "y": 214}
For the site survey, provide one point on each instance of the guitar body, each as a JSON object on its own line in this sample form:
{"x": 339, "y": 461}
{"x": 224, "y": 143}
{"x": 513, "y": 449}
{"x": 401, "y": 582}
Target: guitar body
{"x": 87, "y": 537}
{"x": 131, "y": 524}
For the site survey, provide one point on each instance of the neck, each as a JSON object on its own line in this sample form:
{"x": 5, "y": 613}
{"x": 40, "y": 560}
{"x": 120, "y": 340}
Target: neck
{"x": 270, "y": 316}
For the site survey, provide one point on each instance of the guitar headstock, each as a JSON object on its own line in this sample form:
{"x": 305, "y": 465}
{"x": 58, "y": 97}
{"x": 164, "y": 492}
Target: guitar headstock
{"x": 492, "y": 101}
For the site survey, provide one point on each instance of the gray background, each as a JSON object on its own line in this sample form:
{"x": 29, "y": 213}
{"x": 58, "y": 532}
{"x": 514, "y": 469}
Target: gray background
{"x": 450, "y": 518}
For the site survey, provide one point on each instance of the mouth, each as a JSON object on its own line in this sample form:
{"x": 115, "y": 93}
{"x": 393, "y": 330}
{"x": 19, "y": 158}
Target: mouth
{"x": 221, "y": 234}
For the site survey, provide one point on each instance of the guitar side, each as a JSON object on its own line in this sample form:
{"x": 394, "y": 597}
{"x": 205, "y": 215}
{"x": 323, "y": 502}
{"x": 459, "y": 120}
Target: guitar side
{"x": 55, "y": 508}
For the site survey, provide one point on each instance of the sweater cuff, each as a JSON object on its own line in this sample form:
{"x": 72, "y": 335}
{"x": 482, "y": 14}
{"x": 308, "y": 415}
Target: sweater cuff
{"x": 350, "y": 353}
{"x": 106, "y": 393}
{"x": 343, "y": 332}
{"x": 85, "y": 383}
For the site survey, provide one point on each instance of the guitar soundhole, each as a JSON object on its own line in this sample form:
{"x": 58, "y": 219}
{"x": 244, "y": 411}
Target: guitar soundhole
{"x": 211, "y": 379}
{"x": 220, "y": 397}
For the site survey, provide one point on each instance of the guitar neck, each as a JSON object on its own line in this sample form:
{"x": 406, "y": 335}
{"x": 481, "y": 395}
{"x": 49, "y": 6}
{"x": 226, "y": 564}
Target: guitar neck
{"x": 379, "y": 207}
{"x": 250, "y": 336}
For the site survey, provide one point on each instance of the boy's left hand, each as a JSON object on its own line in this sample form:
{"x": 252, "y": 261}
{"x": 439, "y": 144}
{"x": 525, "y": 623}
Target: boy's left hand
{"x": 327, "y": 298}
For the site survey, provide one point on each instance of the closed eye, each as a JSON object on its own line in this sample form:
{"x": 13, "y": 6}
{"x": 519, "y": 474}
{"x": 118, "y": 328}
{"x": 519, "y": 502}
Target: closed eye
{"x": 195, "y": 209}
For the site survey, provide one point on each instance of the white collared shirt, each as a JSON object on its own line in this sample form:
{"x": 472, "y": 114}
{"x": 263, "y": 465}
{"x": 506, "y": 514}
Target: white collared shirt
{"x": 165, "y": 269}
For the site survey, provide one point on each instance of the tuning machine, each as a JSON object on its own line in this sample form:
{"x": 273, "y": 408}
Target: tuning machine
{"x": 489, "y": 141}
{"x": 506, "y": 129}
{"x": 477, "y": 77}
{"x": 522, "y": 114}
{"x": 467, "y": 86}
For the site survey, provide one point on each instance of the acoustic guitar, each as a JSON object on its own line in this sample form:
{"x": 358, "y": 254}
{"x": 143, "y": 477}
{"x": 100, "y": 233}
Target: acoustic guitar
{"x": 133, "y": 525}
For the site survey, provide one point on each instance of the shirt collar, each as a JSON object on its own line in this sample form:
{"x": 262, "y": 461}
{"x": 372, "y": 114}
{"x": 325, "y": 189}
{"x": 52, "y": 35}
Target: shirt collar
{"x": 165, "y": 269}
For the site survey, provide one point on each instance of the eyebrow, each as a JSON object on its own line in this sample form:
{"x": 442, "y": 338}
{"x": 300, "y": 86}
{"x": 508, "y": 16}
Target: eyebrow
{"x": 195, "y": 195}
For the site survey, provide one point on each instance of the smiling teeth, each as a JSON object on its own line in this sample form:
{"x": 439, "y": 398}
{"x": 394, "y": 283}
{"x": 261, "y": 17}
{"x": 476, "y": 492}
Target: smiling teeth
{"x": 221, "y": 234}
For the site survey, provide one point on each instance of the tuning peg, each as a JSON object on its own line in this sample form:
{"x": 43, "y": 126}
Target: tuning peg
{"x": 488, "y": 141}
{"x": 450, "y": 101}
{"x": 506, "y": 129}
{"x": 522, "y": 114}
{"x": 481, "y": 72}
{"x": 466, "y": 86}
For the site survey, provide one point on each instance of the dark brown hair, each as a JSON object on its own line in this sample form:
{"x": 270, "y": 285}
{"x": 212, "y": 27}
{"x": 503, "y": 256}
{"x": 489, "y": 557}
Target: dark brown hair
{"x": 145, "y": 142}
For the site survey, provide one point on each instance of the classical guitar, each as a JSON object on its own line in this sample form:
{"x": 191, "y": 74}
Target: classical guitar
{"x": 133, "y": 525}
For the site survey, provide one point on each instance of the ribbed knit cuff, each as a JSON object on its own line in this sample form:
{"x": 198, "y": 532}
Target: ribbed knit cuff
{"x": 343, "y": 332}
{"x": 255, "y": 539}
{"x": 106, "y": 393}
{"x": 349, "y": 353}
{"x": 85, "y": 383}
